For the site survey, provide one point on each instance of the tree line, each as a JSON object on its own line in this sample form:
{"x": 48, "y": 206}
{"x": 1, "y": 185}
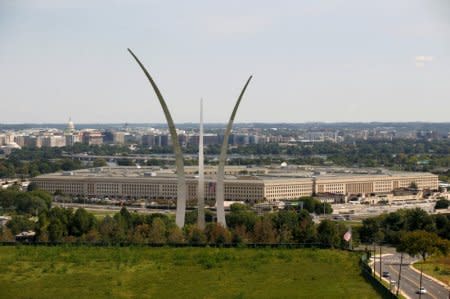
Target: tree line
{"x": 392, "y": 227}
{"x": 33, "y": 211}
{"x": 398, "y": 154}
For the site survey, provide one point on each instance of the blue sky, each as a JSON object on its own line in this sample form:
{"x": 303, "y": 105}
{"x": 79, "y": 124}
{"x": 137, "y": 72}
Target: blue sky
{"x": 335, "y": 60}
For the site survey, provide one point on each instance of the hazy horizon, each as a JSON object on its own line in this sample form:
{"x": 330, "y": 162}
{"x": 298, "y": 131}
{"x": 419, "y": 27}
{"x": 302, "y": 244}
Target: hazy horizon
{"x": 323, "y": 61}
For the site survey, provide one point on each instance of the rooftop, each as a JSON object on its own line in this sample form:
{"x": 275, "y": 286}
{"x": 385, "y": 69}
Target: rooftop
{"x": 232, "y": 173}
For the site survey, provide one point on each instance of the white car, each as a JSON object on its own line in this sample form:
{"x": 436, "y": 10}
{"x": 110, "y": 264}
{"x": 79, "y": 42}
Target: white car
{"x": 422, "y": 290}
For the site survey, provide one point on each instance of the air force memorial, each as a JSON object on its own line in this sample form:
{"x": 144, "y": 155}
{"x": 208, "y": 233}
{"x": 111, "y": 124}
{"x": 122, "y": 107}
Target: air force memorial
{"x": 181, "y": 179}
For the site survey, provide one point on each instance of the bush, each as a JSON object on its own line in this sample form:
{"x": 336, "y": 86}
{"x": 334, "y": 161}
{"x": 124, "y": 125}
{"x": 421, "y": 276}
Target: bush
{"x": 195, "y": 235}
{"x": 217, "y": 234}
{"x": 19, "y": 224}
{"x": 442, "y": 204}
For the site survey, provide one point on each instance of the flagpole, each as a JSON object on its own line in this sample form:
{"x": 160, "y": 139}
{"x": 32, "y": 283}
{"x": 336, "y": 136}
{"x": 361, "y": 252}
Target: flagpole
{"x": 350, "y": 244}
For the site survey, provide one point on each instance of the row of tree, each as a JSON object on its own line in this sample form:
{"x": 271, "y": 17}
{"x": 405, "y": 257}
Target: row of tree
{"x": 401, "y": 154}
{"x": 24, "y": 203}
{"x": 389, "y": 228}
{"x": 66, "y": 225}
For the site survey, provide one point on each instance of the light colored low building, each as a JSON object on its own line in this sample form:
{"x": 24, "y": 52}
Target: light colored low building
{"x": 146, "y": 182}
{"x": 241, "y": 183}
{"x": 367, "y": 184}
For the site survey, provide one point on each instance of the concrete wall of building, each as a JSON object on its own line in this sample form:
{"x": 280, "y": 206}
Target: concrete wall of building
{"x": 241, "y": 189}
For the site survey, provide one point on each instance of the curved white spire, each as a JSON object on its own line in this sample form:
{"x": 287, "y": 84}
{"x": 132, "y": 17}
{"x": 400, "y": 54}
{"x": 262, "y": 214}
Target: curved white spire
{"x": 201, "y": 175}
{"x": 220, "y": 188}
{"x": 181, "y": 190}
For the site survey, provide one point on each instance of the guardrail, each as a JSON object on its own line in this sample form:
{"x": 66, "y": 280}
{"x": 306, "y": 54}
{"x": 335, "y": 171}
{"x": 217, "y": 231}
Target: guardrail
{"x": 124, "y": 244}
{"x": 367, "y": 273}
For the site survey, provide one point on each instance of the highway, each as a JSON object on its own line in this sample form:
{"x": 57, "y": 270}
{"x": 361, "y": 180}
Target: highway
{"x": 410, "y": 279}
{"x": 111, "y": 208}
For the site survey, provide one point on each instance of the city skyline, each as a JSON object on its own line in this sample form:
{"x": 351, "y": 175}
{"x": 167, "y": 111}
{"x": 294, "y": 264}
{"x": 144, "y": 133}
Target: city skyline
{"x": 339, "y": 61}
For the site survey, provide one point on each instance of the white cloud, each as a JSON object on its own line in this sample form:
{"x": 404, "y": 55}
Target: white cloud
{"x": 424, "y": 59}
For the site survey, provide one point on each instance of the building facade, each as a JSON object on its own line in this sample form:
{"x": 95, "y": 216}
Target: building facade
{"x": 241, "y": 184}
{"x": 368, "y": 184}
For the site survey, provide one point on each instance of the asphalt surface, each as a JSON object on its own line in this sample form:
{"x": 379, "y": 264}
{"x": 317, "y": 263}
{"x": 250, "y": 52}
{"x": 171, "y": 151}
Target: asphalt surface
{"x": 410, "y": 279}
{"x": 111, "y": 208}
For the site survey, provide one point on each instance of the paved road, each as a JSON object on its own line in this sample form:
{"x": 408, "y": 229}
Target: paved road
{"x": 111, "y": 208}
{"x": 360, "y": 211}
{"x": 410, "y": 279}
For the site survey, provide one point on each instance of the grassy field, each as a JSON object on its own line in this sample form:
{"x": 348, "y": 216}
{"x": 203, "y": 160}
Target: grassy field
{"x": 139, "y": 272}
{"x": 438, "y": 267}
{"x": 100, "y": 214}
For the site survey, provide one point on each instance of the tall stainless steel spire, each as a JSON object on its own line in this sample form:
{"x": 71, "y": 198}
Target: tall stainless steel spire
{"x": 181, "y": 190}
{"x": 222, "y": 159}
{"x": 201, "y": 175}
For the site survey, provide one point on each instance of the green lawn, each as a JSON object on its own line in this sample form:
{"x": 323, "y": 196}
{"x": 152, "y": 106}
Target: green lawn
{"x": 140, "y": 272}
{"x": 438, "y": 267}
{"x": 100, "y": 214}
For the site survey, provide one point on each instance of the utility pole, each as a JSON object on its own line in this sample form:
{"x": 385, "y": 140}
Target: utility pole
{"x": 399, "y": 274}
{"x": 420, "y": 284}
{"x": 374, "y": 262}
{"x": 380, "y": 261}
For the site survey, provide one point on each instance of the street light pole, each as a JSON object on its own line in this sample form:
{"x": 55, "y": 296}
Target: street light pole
{"x": 374, "y": 262}
{"x": 420, "y": 284}
{"x": 399, "y": 274}
{"x": 380, "y": 261}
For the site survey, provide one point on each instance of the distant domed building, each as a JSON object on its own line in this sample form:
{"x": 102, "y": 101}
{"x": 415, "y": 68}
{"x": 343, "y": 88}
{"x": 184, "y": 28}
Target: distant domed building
{"x": 70, "y": 134}
{"x": 70, "y": 127}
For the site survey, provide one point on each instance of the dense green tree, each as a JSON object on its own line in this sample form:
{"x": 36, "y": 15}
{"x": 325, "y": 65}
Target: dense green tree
{"x": 217, "y": 234}
{"x": 194, "y": 235}
{"x": 442, "y": 204}
{"x": 264, "y": 232}
{"x": 418, "y": 219}
{"x": 141, "y": 234}
{"x": 19, "y": 223}
{"x": 82, "y": 222}
{"x": 328, "y": 233}
{"x": 423, "y": 243}
{"x": 240, "y": 235}
{"x": 241, "y": 215}
{"x": 6, "y": 234}
{"x": 99, "y": 162}
{"x": 157, "y": 232}
{"x": 56, "y": 230}
{"x": 306, "y": 229}
{"x": 175, "y": 235}
{"x": 44, "y": 195}
{"x": 28, "y": 203}
{"x": 32, "y": 186}
{"x": 7, "y": 199}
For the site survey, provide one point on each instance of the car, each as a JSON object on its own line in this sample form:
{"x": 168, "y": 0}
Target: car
{"x": 421, "y": 290}
{"x": 386, "y": 274}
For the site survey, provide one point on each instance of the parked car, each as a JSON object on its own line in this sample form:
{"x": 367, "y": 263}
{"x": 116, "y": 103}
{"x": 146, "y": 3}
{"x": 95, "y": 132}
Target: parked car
{"x": 386, "y": 274}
